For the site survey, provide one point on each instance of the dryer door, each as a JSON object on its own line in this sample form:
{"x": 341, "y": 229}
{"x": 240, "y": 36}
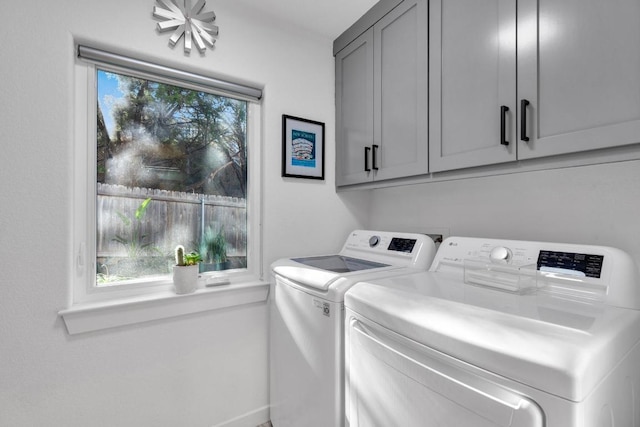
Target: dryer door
{"x": 395, "y": 381}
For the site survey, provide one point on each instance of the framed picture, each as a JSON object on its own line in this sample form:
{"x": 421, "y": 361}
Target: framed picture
{"x": 302, "y": 148}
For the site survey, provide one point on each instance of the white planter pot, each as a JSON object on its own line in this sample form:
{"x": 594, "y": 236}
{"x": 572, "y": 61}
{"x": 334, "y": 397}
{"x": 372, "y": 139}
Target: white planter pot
{"x": 185, "y": 278}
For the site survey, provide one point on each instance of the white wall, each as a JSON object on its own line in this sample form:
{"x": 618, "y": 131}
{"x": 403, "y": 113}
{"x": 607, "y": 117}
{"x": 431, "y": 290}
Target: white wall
{"x": 591, "y": 204}
{"x": 197, "y": 370}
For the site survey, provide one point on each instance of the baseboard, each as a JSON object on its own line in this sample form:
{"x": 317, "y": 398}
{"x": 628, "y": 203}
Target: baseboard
{"x": 250, "y": 419}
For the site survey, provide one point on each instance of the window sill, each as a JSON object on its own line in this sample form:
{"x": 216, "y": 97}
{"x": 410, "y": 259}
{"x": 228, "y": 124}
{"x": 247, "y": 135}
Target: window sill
{"x": 89, "y": 317}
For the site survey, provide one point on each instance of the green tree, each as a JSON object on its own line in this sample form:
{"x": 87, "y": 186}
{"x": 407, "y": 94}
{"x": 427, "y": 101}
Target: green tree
{"x": 198, "y": 137}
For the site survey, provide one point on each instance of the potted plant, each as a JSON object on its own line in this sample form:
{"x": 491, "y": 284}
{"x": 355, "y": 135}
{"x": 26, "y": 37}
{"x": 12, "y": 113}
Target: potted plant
{"x": 214, "y": 251}
{"x": 142, "y": 255}
{"x": 185, "y": 272}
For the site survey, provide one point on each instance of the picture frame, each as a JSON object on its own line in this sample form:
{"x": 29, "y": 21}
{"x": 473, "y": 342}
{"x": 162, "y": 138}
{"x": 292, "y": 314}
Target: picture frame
{"x": 302, "y": 148}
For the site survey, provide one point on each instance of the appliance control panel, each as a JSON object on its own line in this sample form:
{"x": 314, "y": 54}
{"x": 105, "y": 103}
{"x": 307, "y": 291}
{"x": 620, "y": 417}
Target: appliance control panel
{"x": 403, "y": 249}
{"x": 578, "y": 260}
{"x": 587, "y": 265}
{"x": 575, "y": 268}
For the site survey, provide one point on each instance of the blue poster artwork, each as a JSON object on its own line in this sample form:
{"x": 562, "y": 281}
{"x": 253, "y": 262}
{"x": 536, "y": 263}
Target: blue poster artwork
{"x": 303, "y": 149}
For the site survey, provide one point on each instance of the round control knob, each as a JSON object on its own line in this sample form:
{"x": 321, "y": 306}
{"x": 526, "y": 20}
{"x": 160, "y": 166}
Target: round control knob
{"x": 500, "y": 254}
{"x": 373, "y": 241}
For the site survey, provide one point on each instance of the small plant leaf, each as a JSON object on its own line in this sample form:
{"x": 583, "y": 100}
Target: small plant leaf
{"x": 142, "y": 208}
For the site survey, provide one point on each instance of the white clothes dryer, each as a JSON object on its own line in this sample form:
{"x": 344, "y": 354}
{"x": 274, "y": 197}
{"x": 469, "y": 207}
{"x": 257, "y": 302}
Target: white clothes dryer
{"x": 307, "y": 321}
{"x": 498, "y": 333}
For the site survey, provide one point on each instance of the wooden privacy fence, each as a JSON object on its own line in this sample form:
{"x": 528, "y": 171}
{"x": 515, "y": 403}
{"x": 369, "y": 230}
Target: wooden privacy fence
{"x": 171, "y": 218}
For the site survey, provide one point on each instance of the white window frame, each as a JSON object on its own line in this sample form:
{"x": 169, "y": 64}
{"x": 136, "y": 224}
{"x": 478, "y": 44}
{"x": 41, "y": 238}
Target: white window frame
{"x": 91, "y": 302}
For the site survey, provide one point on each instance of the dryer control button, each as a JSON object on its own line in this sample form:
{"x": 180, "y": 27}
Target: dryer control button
{"x": 500, "y": 254}
{"x": 373, "y": 241}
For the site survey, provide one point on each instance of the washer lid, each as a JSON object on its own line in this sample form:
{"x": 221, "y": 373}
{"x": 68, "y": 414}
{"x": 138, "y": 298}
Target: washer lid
{"x": 339, "y": 263}
{"x": 562, "y": 347}
{"x": 322, "y": 273}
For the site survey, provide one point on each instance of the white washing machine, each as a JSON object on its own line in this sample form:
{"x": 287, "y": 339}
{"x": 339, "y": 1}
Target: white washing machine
{"x": 498, "y": 333}
{"x": 307, "y": 321}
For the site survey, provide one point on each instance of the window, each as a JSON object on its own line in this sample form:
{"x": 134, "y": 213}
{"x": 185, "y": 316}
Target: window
{"x": 164, "y": 158}
{"x": 171, "y": 169}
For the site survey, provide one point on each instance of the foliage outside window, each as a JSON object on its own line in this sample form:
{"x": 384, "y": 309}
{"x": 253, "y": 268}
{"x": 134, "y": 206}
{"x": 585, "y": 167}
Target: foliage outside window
{"x": 171, "y": 169}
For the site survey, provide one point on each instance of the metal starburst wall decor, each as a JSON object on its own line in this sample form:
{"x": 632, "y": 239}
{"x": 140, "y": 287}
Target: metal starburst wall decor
{"x": 189, "y": 21}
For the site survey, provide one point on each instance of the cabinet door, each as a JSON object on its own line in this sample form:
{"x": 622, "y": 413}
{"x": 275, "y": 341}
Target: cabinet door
{"x": 472, "y": 75}
{"x": 579, "y": 69}
{"x": 400, "y": 92}
{"x": 354, "y": 110}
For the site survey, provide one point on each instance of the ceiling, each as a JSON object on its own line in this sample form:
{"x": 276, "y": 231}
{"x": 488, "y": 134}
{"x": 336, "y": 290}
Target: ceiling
{"x": 329, "y": 18}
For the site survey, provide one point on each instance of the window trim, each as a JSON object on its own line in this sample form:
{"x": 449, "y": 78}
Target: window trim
{"x": 89, "y": 317}
{"x": 85, "y": 296}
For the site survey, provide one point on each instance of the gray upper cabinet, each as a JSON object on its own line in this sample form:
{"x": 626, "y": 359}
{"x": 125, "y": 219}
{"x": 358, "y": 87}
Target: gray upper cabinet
{"x": 354, "y": 110}
{"x": 381, "y": 99}
{"x": 472, "y": 83}
{"x": 577, "y": 86}
{"x": 400, "y": 91}
{"x": 504, "y": 81}
{"x": 579, "y": 70}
